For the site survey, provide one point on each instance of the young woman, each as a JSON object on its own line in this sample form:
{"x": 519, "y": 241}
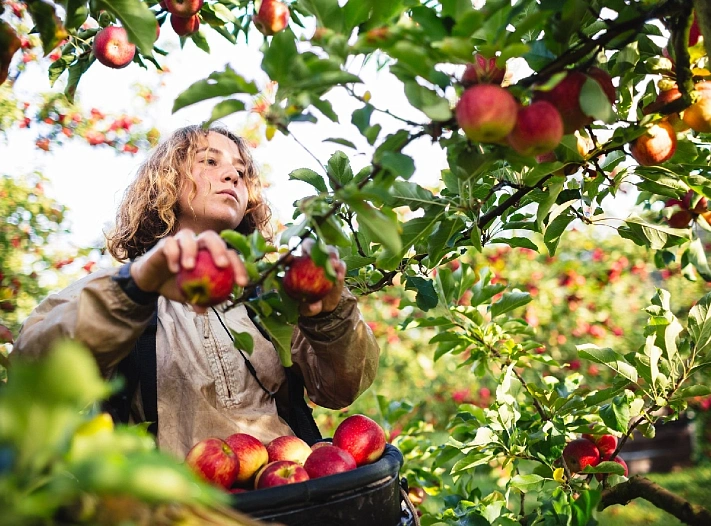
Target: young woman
{"x": 195, "y": 184}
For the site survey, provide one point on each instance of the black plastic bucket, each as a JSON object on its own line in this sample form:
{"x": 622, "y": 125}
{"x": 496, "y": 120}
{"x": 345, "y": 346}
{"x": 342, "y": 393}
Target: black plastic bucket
{"x": 368, "y": 495}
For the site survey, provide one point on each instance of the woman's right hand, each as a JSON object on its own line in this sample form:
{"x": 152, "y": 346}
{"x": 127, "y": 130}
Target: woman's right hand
{"x": 157, "y": 269}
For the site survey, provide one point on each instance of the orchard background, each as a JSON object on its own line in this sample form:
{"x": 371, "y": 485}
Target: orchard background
{"x": 537, "y": 284}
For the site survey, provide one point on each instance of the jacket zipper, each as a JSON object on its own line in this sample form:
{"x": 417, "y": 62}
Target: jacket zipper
{"x": 206, "y": 335}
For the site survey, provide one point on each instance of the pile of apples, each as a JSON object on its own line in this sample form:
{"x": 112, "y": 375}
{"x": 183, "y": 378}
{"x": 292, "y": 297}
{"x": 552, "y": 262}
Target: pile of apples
{"x": 590, "y": 450}
{"x": 241, "y": 462}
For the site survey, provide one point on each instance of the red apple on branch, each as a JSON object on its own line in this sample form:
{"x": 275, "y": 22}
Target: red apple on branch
{"x": 486, "y": 113}
{"x": 112, "y": 48}
{"x": 328, "y": 460}
{"x": 362, "y": 437}
{"x": 288, "y": 447}
{"x": 606, "y": 444}
{"x": 250, "y": 452}
{"x": 185, "y": 26}
{"x": 698, "y": 115}
{"x": 656, "y": 146}
{"x": 538, "y": 130}
{"x": 280, "y": 473}
{"x": 214, "y": 461}
{"x": 183, "y": 8}
{"x": 272, "y": 17}
{"x": 305, "y": 281}
{"x": 581, "y": 453}
{"x": 206, "y": 284}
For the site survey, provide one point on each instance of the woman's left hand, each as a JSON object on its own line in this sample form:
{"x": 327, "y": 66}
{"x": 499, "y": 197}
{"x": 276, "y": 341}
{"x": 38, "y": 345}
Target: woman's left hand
{"x": 333, "y": 298}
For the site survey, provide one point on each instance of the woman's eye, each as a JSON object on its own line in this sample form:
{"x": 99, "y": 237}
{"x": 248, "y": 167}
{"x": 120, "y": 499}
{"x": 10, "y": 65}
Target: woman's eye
{"x": 212, "y": 162}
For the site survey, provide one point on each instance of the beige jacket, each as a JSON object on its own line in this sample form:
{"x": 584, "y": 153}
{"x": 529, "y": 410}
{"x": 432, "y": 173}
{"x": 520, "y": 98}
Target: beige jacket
{"x": 204, "y": 387}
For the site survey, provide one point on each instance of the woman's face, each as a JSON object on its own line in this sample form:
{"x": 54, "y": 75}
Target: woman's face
{"x": 220, "y": 200}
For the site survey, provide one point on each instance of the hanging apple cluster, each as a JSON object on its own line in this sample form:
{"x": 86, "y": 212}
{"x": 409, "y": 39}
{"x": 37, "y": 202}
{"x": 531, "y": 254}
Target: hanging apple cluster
{"x": 489, "y": 113}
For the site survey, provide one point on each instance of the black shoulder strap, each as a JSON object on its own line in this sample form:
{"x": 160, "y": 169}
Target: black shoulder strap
{"x": 148, "y": 373}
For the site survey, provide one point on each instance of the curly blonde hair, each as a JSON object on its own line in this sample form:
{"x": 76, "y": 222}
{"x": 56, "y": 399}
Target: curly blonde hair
{"x": 149, "y": 208}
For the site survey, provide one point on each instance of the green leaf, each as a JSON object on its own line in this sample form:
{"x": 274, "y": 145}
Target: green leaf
{"x": 516, "y": 242}
{"x": 428, "y": 102}
{"x": 136, "y": 18}
{"x": 77, "y": 13}
{"x": 243, "y": 341}
{"x": 594, "y": 102}
{"x": 339, "y": 169}
{"x": 691, "y": 392}
{"x": 426, "y": 297}
{"x": 49, "y": 25}
{"x": 608, "y": 357}
{"x": 361, "y": 118}
{"x": 280, "y": 334}
{"x": 327, "y": 12}
{"x": 554, "y": 231}
{"x": 699, "y": 326}
{"x": 325, "y": 79}
{"x": 616, "y": 415}
{"x": 355, "y": 12}
{"x": 281, "y": 57}
{"x": 553, "y": 191}
{"x": 309, "y": 176}
{"x": 354, "y": 261}
{"x": 509, "y": 302}
{"x": 697, "y": 257}
{"x": 224, "y": 108}
{"x": 526, "y": 483}
{"x": 399, "y": 163}
{"x": 218, "y": 84}
{"x": 439, "y": 243}
{"x": 655, "y": 236}
{"x": 412, "y": 195}
{"x": 380, "y": 226}
{"x": 238, "y": 241}
{"x": 584, "y": 507}
{"x": 76, "y": 71}
{"x": 342, "y": 142}
{"x": 412, "y": 232}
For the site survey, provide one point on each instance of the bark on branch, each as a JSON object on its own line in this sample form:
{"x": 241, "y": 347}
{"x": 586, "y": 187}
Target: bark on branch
{"x": 641, "y": 487}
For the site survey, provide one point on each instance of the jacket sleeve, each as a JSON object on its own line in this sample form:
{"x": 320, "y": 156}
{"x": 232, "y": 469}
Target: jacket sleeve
{"x": 336, "y": 354}
{"x": 94, "y": 311}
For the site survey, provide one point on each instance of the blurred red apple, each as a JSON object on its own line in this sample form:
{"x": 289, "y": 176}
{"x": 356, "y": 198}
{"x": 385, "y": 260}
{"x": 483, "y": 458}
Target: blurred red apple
{"x": 305, "y": 281}
{"x": 606, "y": 444}
{"x": 206, "y": 284}
{"x": 183, "y": 8}
{"x": 362, "y": 437}
{"x": 694, "y": 31}
{"x": 581, "y": 453}
{"x": 328, "y": 460}
{"x": 482, "y": 70}
{"x": 112, "y": 48}
{"x": 185, "y": 26}
{"x": 214, "y": 461}
{"x": 280, "y": 473}
{"x": 272, "y": 17}
{"x": 538, "y": 129}
{"x": 317, "y": 445}
{"x": 251, "y": 453}
{"x": 656, "y": 146}
{"x": 486, "y": 113}
{"x": 698, "y": 115}
{"x": 565, "y": 96}
{"x": 288, "y": 447}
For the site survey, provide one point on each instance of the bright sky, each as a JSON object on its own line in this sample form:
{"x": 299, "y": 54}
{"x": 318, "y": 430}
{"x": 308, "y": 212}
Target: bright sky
{"x": 90, "y": 180}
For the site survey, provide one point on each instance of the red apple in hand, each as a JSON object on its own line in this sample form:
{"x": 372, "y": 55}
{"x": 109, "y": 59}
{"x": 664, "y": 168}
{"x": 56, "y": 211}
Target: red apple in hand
{"x": 214, "y": 461}
{"x": 656, "y": 146}
{"x": 206, "y": 284}
{"x": 486, "y": 113}
{"x": 183, "y": 8}
{"x": 272, "y": 17}
{"x": 280, "y": 473}
{"x": 328, "y": 460}
{"x": 362, "y": 437}
{"x": 251, "y": 453}
{"x": 581, "y": 453}
{"x": 112, "y": 48}
{"x": 288, "y": 447}
{"x": 538, "y": 130}
{"x": 305, "y": 281}
{"x": 185, "y": 26}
